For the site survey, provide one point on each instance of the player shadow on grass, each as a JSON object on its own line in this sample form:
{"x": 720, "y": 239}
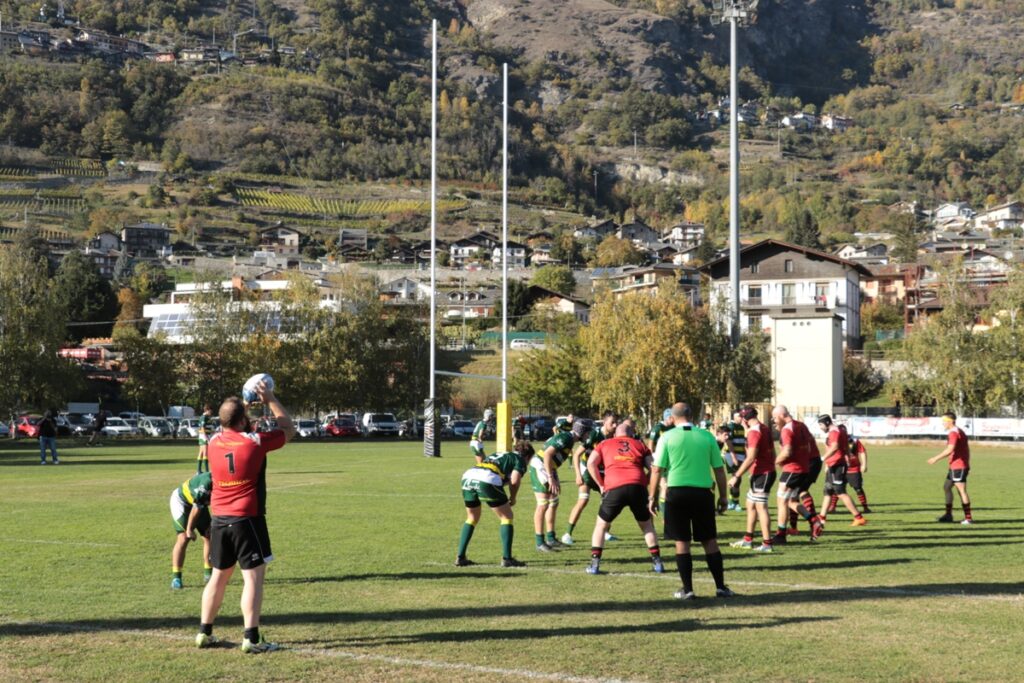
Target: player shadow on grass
{"x": 403, "y": 576}
{"x": 474, "y": 635}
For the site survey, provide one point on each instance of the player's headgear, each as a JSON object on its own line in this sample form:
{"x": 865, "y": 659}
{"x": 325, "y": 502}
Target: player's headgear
{"x": 666, "y": 414}
{"x": 488, "y": 414}
{"x": 825, "y": 419}
{"x": 579, "y": 428}
{"x": 562, "y": 425}
{"x": 748, "y": 412}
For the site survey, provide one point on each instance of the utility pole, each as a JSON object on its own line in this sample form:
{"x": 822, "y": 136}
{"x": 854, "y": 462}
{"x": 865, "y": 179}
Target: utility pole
{"x": 595, "y": 185}
{"x": 635, "y": 156}
{"x": 735, "y": 12}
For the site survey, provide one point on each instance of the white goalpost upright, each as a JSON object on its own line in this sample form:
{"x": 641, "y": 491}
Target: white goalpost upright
{"x": 431, "y": 440}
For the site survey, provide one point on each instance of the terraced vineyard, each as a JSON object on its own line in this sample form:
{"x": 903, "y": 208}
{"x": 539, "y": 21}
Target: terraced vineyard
{"x": 63, "y": 202}
{"x": 304, "y": 204}
{"x": 75, "y": 168}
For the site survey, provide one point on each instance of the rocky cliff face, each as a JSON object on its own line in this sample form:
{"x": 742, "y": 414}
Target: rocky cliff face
{"x": 590, "y": 39}
{"x": 805, "y": 47}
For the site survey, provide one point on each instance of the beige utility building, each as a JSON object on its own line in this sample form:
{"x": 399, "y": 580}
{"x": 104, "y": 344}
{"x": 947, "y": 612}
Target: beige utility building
{"x": 807, "y": 361}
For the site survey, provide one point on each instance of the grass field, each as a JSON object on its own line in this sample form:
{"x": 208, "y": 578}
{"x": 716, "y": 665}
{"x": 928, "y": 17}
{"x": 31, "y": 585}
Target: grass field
{"x": 363, "y": 587}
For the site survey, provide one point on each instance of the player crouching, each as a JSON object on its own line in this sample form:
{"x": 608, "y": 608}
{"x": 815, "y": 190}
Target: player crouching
{"x": 486, "y": 483}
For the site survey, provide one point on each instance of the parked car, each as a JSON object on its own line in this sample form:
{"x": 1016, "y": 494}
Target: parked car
{"x": 28, "y": 425}
{"x": 155, "y": 426}
{"x": 380, "y": 424}
{"x": 307, "y": 429}
{"x": 80, "y": 425}
{"x": 341, "y": 426}
{"x": 540, "y": 429}
{"x": 462, "y": 428}
{"x": 130, "y": 415}
{"x": 190, "y": 427}
{"x": 134, "y": 424}
{"x": 5, "y": 430}
{"x": 116, "y": 426}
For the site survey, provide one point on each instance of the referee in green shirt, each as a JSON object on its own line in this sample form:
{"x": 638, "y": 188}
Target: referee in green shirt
{"x": 686, "y": 457}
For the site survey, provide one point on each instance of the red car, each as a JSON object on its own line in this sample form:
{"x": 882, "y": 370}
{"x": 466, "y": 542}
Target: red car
{"x": 28, "y": 425}
{"x": 342, "y": 427}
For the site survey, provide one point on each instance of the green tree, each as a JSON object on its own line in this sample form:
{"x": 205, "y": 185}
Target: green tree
{"x": 803, "y": 230}
{"x": 85, "y": 297}
{"x": 905, "y": 238}
{"x": 567, "y": 249}
{"x": 153, "y": 374}
{"x": 861, "y": 381}
{"x": 613, "y": 252}
{"x": 32, "y": 326}
{"x": 551, "y": 380}
{"x": 556, "y": 278}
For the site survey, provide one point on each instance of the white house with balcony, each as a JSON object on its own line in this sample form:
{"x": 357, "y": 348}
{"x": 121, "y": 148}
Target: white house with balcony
{"x": 777, "y": 278}
{"x": 517, "y": 255}
{"x": 1008, "y": 216}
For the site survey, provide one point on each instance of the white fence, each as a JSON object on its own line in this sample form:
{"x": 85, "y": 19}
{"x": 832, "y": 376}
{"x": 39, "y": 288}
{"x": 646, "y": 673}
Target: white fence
{"x": 924, "y": 427}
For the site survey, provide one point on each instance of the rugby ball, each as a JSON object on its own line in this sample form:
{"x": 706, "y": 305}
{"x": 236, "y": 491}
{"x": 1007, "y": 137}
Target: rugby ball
{"x": 249, "y": 388}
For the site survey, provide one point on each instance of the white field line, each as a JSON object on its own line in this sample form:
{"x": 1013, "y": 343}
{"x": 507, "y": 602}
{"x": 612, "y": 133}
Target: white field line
{"x": 293, "y": 486}
{"x": 85, "y": 543}
{"x": 669, "y": 574}
{"x": 343, "y": 654}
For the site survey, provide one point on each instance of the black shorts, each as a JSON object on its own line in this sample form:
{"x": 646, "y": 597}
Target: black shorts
{"x": 812, "y": 475}
{"x": 690, "y": 509}
{"x": 761, "y": 484}
{"x": 835, "y": 480}
{"x": 856, "y": 480}
{"x": 242, "y": 540}
{"x": 958, "y": 476}
{"x": 791, "y": 484}
{"x": 632, "y": 496}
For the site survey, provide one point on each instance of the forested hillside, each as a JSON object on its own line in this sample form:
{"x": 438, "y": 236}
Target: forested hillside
{"x": 932, "y": 87}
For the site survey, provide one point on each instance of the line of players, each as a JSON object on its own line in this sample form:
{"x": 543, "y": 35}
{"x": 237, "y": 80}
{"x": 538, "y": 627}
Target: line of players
{"x": 747, "y": 447}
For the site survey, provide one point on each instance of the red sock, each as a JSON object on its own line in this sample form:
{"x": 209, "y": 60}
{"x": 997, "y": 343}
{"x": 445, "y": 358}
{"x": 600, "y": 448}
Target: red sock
{"x": 655, "y": 551}
{"x": 808, "y": 502}
{"x": 596, "y": 552}
{"x": 967, "y": 511}
{"x": 863, "y": 499}
{"x": 748, "y": 537}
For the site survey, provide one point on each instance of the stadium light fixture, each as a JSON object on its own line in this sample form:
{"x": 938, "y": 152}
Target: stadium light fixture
{"x": 736, "y": 13}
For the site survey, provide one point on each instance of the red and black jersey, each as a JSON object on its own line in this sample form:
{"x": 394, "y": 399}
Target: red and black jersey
{"x": 837, "y": 437}
{"x": 238, "y": 465}
{"x": 960, "y": 458}
{"x": 796, "y": 435}
{"x": 760, "y": 439}
{"x": 623, "y": 461}
{"x": 853, "y": 457}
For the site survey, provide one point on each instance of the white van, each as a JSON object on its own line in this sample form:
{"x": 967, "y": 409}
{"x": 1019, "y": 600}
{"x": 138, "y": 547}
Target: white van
{"x": 523, "y": 344}
{"x": 380, "y": 424}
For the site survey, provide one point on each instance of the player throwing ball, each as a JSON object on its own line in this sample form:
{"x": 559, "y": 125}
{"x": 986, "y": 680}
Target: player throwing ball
{"x": 238, "y": 503}
{"x": 486, "y": 483}
{"x": 619, "y": 467}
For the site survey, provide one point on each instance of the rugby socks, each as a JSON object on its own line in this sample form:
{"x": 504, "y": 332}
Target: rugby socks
{"x": 467, "y": 533}
{"x": 949, "y": 509}
{"x": 595, "y": 552}
{"x": 808, "y": 502}
{"x": 569, "y": 528}
{"x": 539, "y": 538}
{"x": 176, "y": 573}
{"x": 967, "y": 511}
{"x": 862, "y": 499}
{"x": 253, "y": 634}
{"x": 684, "y": 563}
{"x": 717, "y": 568}
{"x": 655, "y": 551}
{"x": 749, "y": 537}
{"x": 833, "y": 502}
{"x": 550, "y": 540}
{"x": 206, "y": 628}
{"x": 793, "y": 522}
{"x": 207, "y": 571}
{"x": 506, "y": 538}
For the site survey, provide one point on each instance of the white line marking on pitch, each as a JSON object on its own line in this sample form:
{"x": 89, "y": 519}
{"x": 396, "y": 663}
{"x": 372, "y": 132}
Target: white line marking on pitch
{"x": 92, "y": 545}
{"x": 882, "y": 590}
{"x": 343, "y": 654}
{"x": 293, "y": 486}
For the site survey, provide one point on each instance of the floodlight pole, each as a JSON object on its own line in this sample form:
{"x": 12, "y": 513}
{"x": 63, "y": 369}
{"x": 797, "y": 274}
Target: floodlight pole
{"x": 734, "y": 12}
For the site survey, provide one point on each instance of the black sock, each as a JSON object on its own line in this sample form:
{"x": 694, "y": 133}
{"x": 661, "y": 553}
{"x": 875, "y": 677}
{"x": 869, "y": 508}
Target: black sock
{"x": 684, "y": 563}
{"x": 253, "y": 634}
{"x": 206, "y": 628}
{"x": 717, "y": 568}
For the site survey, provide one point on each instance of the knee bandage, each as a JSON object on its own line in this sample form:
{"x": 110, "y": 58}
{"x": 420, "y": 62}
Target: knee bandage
{"x": 585, "y": 495}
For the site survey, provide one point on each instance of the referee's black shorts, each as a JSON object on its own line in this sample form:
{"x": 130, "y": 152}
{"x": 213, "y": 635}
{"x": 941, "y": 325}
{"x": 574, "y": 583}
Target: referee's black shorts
{"x": 242, "y": 540}
{"x": 690, "y": 514}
